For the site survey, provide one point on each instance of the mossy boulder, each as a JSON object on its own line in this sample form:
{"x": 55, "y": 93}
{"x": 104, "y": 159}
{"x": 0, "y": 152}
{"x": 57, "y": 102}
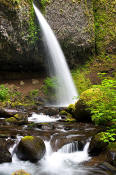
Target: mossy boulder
{"x": 30, "y": 148}
{"x": 5, "y": 155}
{"x": 20, "y": 172}
{"x": 19, "y": 119}
{"x": 67, "y": 116}
{"x": 97, "y": 145}
{"x": 81, "y": 111}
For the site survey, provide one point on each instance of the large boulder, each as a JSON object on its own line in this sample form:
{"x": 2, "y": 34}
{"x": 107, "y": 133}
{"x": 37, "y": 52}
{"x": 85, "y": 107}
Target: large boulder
{"x": 5, "y": 155}
{"x": 20, "y": 44}
{"x": 30, "y": 148}
{"x": 20, "y": 172}
{"x": 73, "y": 23}
{"x": 97, "y": 145}
{"x": 81, "y": 110}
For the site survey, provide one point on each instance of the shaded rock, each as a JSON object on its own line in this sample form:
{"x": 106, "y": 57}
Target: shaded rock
{"x": 5, "y": 113}
{"x": 112, "y": 149}
{"x": 101, "y": 158}
{"x": 73, "y": 24}
{"x": 30, "y": 148}
{"x": 108, "y": 168}
{"x": 20, "y": 119}
{"x": 20, "y": 172}
{"x": 97, "y": 145}
{"x": 5, "y": 155}
{"x": 50, "y": 111}
{"x": 19, "y": 36}
{"x": 62, "y": 139}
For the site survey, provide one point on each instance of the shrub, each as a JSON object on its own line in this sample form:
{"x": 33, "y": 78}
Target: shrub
{"x": 50, "y": 87}
{"x": 104, "y": 110}
{"x": 4, "y": 93}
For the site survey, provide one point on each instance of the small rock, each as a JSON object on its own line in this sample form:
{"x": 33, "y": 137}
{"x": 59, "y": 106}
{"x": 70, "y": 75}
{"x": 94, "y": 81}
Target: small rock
{"x": 22, "y": 83}
{"x": 34, "y": 81}
{"x": 5, "y": 155}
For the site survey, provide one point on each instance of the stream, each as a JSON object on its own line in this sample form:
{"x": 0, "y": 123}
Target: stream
{"x": 66, "y": 148}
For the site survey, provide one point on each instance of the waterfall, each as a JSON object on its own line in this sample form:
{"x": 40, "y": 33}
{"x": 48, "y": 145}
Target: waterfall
{"x": 69, "y": 148}
{"x": 66, "y": 91}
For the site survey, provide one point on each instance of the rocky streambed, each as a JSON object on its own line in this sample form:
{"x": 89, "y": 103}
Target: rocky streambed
{"x": 67, "y": 145}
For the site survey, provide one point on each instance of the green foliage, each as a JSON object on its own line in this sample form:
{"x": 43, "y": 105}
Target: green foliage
{"x": 104, "y": 15}
{"x": 81, "y": 81}
{"x": 104, "y": 109}
{"x": 4, "y": 93}
{"x": 44, "y": 2}
{"x": 50, "y": 86}
{"x": 34, "y": 93}
{"x": 108, "y": 136}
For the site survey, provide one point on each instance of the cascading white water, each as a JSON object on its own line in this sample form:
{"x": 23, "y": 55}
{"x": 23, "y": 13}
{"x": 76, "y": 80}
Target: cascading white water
{"x": 54, "y": 163}
{"x": 41, "y": 118}
{"x": 66, "y": 91}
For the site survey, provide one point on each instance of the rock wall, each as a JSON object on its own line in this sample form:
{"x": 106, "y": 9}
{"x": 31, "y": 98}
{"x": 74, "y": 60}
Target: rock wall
{"x": 73, "y": 24}
{"x": 20, "y": 45}
{"x": 83, "y": 27}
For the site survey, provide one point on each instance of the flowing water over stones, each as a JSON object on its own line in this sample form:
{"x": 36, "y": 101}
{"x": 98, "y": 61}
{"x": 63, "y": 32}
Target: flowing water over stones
{"x": 66, "y": 91}
{"x": 68, "y": 159}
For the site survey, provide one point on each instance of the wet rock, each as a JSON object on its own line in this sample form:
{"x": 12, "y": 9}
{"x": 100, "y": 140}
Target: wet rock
{"x": 20, "y": 172}
{"x": 50, "y": 111}
{"x": 111, "y": 170}
{"x": 59, "y": 140}
{"x": 30, "y": 148}
{"x": 5, "y": 155}
{"x": 19, "y": 119}
{"x": 112, "y": 149}
{"x": 5, "y": 113}
{"x": 101, "y": 158}
{"x": 97, "y": 145}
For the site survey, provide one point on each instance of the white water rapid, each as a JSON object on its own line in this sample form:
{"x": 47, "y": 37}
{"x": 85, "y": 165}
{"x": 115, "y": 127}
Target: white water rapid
{"x": 66, "y": 91}
{"x": 54, "y": 163}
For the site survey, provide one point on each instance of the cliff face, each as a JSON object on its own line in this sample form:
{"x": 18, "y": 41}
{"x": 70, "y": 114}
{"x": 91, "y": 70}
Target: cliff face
{"x": 19, "y": 43}
{"x": 73, "y": 24}
{"x": 82, "y": 27}
{"x": 105, "y": 26}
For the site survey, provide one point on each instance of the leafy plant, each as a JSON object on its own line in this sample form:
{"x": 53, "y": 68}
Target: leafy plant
{"x": 4, "y": 93}
{"x": 104, "y": 110}
{"x": 50, "y": 87}
{"x": 34, "y": 92}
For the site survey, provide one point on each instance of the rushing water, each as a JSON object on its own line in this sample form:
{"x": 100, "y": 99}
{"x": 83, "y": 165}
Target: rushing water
{"x": 54, "y": 163}
{"x": 66, "y": 161}
{"x": 66, "y": 91}
{"x": 42, "y": 118}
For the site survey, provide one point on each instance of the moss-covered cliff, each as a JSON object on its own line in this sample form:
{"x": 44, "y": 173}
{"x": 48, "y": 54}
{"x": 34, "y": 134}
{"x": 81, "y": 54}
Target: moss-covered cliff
{"x": 105, "y": 26}
{"x": 19, "y": 43}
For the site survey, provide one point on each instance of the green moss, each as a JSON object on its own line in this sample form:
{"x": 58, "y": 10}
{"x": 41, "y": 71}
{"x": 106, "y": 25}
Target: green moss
{"x": 80, "y": 78}
{"x": 20, "y": 172}
{"x": 112, "y": 146}
{"x": 90, "y": 95}
{"x": 11, "y": 120}
{"x": 63, "y": 112}
{"x": 105, "y": 28}
{"x": 27, "y": 138}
